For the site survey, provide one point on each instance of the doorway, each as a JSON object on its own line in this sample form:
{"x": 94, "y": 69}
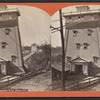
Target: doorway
{"x": 79, "y": 69}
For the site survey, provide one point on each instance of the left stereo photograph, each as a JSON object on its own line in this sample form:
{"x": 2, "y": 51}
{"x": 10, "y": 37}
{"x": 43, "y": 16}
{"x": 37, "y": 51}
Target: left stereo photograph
{"x": 25, "y": 49}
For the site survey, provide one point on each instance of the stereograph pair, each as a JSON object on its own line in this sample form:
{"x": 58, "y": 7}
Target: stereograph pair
{"x": 39, "y": 52}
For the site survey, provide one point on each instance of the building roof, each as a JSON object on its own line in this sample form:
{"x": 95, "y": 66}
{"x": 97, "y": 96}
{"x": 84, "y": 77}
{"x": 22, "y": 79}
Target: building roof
{"x": 4, "y": 10}
{"x": 84, "y": 18}
{"x": 83, "y": 8}
{"x": 59, "y": 66}
{"x": 34, "y": 44}
{"x": 2, "y": 59}
{"x": 78, "y": 59}
{"x": 86, "y": 12}
{"x": 3, "y": 7}
{"x": 83, "y": 25}
{"x": 26, "y": 48}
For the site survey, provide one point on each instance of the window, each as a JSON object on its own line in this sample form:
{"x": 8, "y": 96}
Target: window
{"x": 78, "y": 45}
{"x": 3, "y": 44}
{"x": 7, "y": 31}
{"x": 13, "y": 16}
{"x": 75, "y": 33}
{"x": 95, "y": 59}
{"x": 79, "y": 17}
{"x": 13, "y": 58}
{"x": 74, "y": 19}
{"x": 86, "y": 45}
{"x": 69, "y": 59}
{"x": 89, "y": 32}
{"x": 69, "y": 17}
{"x": 86, "y": 18}
{"x": 96, "y": 17}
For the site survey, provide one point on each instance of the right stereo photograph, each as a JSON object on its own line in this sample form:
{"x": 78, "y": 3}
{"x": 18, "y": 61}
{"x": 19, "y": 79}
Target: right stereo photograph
{"x": 75, "y": 48}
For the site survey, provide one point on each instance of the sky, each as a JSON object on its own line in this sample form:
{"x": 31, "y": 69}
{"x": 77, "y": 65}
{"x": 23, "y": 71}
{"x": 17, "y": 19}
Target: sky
{"x": 55, "y": 37}
{"x": 34, "y": 25}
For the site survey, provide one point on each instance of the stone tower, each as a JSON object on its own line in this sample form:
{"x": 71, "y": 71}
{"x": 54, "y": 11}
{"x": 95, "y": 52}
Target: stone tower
{"x": 11, "y": 59}
{"x": 83, "y": 46}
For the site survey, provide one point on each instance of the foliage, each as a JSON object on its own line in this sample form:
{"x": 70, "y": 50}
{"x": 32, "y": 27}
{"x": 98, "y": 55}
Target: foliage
{"x": 47, "y": 52}
{"x": 40, "y": 60}
{"x": 56, "y": 54}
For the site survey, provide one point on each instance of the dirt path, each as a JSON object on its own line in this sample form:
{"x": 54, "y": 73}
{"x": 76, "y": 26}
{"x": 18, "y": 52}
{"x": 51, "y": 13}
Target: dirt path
{"x": 39, "y": 82}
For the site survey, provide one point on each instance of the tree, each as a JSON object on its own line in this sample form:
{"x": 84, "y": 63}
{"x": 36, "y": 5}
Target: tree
{"x": 46, "y": 49}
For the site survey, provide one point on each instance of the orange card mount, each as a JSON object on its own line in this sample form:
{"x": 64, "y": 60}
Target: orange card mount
{"x": 51, "y": 9}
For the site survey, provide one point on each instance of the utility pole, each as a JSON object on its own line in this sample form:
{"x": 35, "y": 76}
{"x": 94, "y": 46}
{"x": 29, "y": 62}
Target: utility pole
{"x": 63, "y": 53}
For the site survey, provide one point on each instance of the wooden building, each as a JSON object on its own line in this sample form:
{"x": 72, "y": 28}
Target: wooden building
{"x": 11, "y": 60}
{"x": 83, "y": 46}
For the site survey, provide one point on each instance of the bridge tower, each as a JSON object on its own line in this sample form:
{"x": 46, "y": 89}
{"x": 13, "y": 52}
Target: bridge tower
{"x": 11, "y": 59}
{"x": 82, "y": 39}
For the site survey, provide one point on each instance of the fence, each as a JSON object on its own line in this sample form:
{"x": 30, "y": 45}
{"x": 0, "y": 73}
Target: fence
{"x": 83, "y": 84}
{"x": 78, "y": 85}
{"x": 11, "y": 80}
